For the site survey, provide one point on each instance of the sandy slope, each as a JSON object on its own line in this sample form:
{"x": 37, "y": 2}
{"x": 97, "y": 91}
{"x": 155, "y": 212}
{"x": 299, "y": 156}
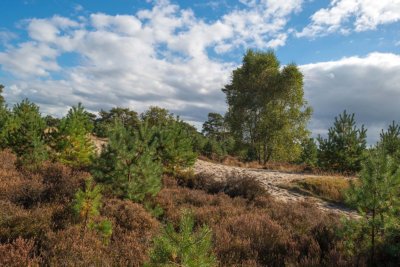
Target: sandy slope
{"x": 271, "y": 180}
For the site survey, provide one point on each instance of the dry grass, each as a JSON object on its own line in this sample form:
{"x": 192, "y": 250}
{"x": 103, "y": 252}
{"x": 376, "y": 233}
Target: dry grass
{"x": 328, "y": 188}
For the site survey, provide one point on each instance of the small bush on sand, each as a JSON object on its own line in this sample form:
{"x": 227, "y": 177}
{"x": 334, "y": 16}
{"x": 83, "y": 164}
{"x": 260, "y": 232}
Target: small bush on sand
{"x": 236, "y": 185}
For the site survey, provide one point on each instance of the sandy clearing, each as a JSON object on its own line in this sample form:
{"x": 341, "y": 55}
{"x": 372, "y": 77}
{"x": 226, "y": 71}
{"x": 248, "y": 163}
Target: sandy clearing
{"x": 271, "y": 180}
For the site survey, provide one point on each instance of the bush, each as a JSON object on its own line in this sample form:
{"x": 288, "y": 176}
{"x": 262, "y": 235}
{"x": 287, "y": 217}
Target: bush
{"x": 17, "y": 222}
{"x": 261, "y": 232}
{"x": 61, "y": 182}
{"x": 18, "y": 253}
{"x": 133, "y": 230}
{"x": 237, "y": 185}
{"x": 69, "y": 247}
{"x": 20, "y": 188}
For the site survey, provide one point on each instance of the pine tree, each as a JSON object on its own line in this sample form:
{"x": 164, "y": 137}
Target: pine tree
{"x": 376, "y": 197}
{"x": 343, "y": 150}
{"x": 4, "y": 115}
{"x": 175, "y": 147}
{"x": 86, "y": 207}
{"x": 390, "y": 141}
{"x": 74, "y": 144}
{"x": 24, "y": 134}
{"x": 309, "y": 155}
{"x": 129, "y": 164}
{"x": 215, "y": 126}
{"x": 185, "y": 247}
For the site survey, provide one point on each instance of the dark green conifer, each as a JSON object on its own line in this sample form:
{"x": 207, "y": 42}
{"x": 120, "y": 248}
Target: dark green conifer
{"x": 24, "y": 134}
{"x": 343, "y": 150}
{"x": 129, "y": 164}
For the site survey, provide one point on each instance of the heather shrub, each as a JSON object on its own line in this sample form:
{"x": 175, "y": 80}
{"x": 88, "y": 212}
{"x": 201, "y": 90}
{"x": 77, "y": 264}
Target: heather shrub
{"x": 207, "y": 209}
{"x": 69, "y": 247}
{"x": 243, "y": 186}
{"x": 129, "y": 216}
{"x": 262, "y": 232}
{"x": 237, "y": 185}
{"x": 19, "y": 253}
{"x": 252, "y": 237}
{"x": 133, "y": 230}
{"x": 61, "y": 182}
{"x": 18, "y": 222}
{"x": 20, "y": 188}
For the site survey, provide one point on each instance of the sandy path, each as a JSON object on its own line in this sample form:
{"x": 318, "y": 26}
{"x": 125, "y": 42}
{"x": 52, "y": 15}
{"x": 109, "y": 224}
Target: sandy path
{"x": 271, "y": 180}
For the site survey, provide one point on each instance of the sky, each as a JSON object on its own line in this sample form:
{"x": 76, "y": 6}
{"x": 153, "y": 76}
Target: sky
{"x": 179, "y": 54}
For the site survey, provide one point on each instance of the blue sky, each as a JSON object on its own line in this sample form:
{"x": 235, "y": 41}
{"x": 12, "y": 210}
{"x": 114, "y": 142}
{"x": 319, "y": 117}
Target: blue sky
{"x": 179, "y": 54}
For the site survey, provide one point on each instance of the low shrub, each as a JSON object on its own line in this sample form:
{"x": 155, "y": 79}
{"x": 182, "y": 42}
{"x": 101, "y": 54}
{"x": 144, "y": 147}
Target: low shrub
{"x": 19, "y": 253}
{"x": 133, "y": 230}
{"x": 61, "y": 182}
{"x": 18, "y": 222}
{"x": 70, "y": 247}
{"x": 262, "y": 232}
{"x": 236, "y": 185}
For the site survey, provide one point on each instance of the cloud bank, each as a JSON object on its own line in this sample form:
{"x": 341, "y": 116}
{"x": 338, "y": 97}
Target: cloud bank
{"x": 367, "y": 86}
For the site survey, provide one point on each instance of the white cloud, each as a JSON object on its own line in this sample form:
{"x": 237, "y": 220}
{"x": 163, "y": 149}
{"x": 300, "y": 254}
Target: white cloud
{"x": 367, "y": 86}
{"x": 158, "y": 56}
{"x": 344, "y": 16}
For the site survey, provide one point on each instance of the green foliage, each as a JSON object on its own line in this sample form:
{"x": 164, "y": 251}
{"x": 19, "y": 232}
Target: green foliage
{"x": 87, "y": 203}
{"x": 175, "y": 147}
{"x": 129, "y": 118}
{"x": 24, "y": 134}
{"x": 267, "y": 109}
{"x": 185, "y": 247}
{"x": 376, "y": 197}
{"x": 74, "y": 144}
{"x": 87, "y": 206}
{"x": 309, "y": 154}
{"x": 129, "y": 162}
{"x": 2, "y": 101}
{"x": 219, "y": 140}
{"x": 104, "y": 227}
{"x": 215, "y": 126}
{"x": 175, "y": 139}
{"x": 213, "y": 149}
{"x": 156, "y": 116}
{"x": 390, "y": 141}
{"x": 343, "y": 150}
{"x": 52, "y": 122}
